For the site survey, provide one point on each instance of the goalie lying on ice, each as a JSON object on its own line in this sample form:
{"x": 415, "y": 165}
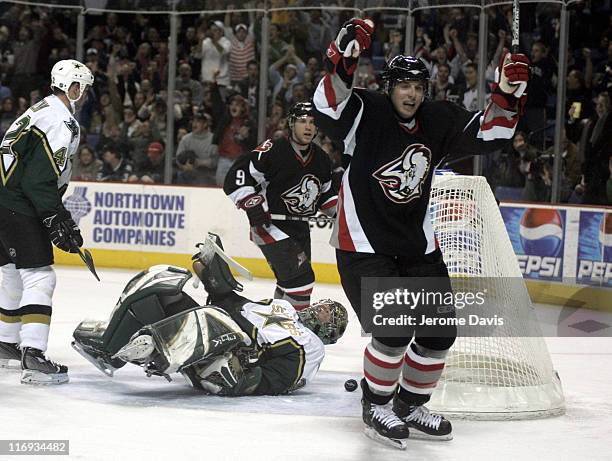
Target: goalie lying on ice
{"x": 233, "y": 346}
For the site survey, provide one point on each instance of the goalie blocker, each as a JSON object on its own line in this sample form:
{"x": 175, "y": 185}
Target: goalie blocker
{"x": 232, "y": 347}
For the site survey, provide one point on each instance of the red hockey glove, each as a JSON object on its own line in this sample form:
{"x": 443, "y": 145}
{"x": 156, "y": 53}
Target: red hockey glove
{"x": 514, "y": 74}
{"x": 255, "y": 208}
{"x": 352, "y": 40}
{"x": 512, "y": 77}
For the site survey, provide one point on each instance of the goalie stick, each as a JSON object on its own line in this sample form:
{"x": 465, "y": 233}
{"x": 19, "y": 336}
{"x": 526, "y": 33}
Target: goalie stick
{"x": 209, "y": 245}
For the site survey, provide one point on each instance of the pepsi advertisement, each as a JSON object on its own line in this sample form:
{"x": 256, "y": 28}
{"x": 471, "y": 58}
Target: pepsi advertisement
{"x": 537, "y": 236}
{"x": 594, "y": 264}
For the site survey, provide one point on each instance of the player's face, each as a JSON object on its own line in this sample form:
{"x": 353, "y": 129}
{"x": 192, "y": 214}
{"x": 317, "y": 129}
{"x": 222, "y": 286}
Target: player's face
{"x": 407, "y": 97}
{"x": 304, "y": 130}
{"x": 73, "y": 93}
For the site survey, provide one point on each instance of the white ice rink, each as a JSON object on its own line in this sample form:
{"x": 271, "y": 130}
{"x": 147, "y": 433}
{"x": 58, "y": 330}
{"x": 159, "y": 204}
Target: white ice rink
{"x": 131, "y": 417}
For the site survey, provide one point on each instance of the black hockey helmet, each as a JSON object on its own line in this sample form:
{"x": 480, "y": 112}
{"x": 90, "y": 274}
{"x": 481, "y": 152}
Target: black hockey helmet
{"x": 404, "y": 68}
{"x": 299, "y": 110}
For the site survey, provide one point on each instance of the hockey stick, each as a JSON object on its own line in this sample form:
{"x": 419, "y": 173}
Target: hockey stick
{"x": 516, "y": 14}
{"x": 286, "y": 217}
{"x": 87, "y": 258}
{"x": 202, "y": 247}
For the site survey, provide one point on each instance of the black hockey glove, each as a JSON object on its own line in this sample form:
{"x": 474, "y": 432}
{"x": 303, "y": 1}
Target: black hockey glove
{"x": 343, "y": 52}
{"x": 256, "y": 209}
{"x": 63, "y": 231}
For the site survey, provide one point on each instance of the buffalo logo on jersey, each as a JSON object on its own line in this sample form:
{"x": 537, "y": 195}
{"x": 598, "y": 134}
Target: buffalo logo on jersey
{"x": 401, "y": 179}
{"x": 303, "y": 198}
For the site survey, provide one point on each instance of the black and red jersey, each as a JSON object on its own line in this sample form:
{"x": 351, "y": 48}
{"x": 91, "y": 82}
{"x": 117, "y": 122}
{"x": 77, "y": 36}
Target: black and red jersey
{"x": 384, "y": 197}
{"x": 293, "y": 182}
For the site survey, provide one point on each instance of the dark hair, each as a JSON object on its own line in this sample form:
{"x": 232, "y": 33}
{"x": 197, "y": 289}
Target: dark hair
{"x": 110, "y": 147}
{"x": 472, "y": 65}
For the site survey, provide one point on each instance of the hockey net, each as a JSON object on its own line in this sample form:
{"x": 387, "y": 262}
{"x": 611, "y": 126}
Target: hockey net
{"x": 508, "y": 375}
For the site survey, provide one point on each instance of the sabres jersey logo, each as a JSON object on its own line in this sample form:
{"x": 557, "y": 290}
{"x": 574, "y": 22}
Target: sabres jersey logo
{"x": 302, "y": 199}
{"x": 402, "y": 178}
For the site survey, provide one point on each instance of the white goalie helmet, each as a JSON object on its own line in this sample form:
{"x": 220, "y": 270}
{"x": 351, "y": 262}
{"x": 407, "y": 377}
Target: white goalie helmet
{"x": 69, "y": 71}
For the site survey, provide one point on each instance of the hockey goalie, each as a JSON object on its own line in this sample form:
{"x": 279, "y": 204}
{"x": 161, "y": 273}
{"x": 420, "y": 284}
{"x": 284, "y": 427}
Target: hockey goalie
{"x": 233, "y": 346}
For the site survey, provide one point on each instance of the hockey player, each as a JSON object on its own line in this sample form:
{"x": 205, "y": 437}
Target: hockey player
{"x": 394, "y": 140}
{"x": 234, "y": 346}
{"x": 290, "y": 177}
{"x": 36, "y": 165}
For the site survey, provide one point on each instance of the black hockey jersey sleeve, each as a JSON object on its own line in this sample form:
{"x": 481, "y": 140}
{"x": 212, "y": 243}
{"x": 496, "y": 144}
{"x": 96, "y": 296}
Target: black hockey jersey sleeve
{"x": 472, "y": 133}
{"x": 329, "y": 196}
{"x": 248, "y": 174}
{"x": 338, "y": 108}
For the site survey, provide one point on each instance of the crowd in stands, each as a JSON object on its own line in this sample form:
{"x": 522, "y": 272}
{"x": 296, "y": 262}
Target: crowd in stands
{"x": 216, "y": 101}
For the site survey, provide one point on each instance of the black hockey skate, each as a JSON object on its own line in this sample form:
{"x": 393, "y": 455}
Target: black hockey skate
{"x": 37, "y": 369}
{"x": 10, "y": 356}
{"x": 423, "y": 423}
{"x": 383, "y": 425}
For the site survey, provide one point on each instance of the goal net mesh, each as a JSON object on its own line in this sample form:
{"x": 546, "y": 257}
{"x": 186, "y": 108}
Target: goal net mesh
{"x": 510, "y": 374}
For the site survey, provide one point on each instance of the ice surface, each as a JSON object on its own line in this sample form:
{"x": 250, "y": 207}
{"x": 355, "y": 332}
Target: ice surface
{"x": 131, "y": 417}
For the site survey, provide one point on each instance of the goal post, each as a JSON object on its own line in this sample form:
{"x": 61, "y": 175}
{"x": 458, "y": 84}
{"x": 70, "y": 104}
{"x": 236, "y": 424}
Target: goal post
{"x": 509, "y": 375}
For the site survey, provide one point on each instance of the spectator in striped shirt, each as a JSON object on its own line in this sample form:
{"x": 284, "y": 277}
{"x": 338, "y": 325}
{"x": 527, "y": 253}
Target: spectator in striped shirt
{"x": 241, "y": 52}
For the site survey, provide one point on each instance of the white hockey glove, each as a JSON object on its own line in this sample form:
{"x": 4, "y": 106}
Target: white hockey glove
{"x": 226, "y": 376}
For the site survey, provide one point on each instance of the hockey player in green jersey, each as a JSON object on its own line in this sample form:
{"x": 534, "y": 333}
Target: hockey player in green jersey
{"x": 231, "y": 346}
{"x": 35, "y": 168}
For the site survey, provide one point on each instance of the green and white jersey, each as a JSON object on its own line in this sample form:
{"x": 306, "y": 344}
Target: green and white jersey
{"x": 36, "y": 158}
{"x": 278, "y": 331}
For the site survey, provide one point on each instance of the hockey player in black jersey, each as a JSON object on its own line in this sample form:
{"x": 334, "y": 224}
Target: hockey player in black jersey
{"x": 289, "y": 177}
{"x": 393, "y": 142}
{"x": 231, "y": 346}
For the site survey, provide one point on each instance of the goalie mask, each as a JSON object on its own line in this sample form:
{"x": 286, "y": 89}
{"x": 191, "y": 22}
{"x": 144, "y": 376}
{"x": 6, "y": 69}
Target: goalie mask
{"x": 404, "y": 69}
{"x": 325, "y": 318}
{"x": 67, "y": 72}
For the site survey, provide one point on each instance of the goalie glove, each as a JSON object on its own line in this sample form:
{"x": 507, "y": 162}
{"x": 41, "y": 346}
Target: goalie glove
{"x": 256, "y": 209}
{"x": 343, "y": 53}
{"x": 224, "y": 376}
{"x": 512, "y": 76}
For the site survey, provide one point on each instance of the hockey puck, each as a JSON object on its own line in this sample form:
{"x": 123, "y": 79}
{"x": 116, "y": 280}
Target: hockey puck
{"x": 350, "y": 385}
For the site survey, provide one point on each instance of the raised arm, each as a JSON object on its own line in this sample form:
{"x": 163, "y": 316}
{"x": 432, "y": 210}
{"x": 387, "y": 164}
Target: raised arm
{"x": 483, "y": 132}
{"x": 337, "y": 107}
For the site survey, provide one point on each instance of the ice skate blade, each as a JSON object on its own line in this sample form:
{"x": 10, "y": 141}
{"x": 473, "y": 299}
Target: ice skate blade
{"x": 399, "y": 444}
{"x": 10, "y": 364}
{"x": 43, "y": 379}
{"x": 415, "y": 434}
{"x": 105, "y": 368}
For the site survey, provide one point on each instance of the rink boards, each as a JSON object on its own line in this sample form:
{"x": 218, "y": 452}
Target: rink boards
{"x": 564, "y": 252}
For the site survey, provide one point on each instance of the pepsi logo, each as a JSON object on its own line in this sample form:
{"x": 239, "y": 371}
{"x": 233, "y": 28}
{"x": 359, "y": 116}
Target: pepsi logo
{"x": 605, "y": 236}
{"x": 541, "y": 232}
